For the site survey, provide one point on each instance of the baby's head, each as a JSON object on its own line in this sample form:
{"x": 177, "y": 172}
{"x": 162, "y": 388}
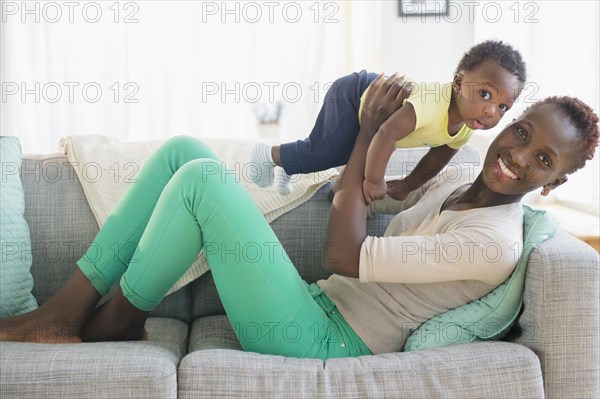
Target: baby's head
{"x": 488, "y": 80}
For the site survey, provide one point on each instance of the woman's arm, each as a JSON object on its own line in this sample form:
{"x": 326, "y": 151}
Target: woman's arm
{"x": 347, "y": 225}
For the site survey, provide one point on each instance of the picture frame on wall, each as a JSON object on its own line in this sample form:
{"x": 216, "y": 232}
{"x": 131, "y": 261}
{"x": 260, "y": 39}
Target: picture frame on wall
{"x": 408, "y": 8}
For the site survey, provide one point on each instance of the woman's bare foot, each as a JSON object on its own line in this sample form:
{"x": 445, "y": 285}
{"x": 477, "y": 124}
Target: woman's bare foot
{"x": 59, "y": 320}
{"x": 33, "y": 327}
{"x": 116, "y": 320}
{"x": 39, "y": 326}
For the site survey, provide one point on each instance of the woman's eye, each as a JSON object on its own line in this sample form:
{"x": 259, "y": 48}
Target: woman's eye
{"x": 503, "y": 107}
{"x": 545, "y": 160}
{"x": 485, "y": 94}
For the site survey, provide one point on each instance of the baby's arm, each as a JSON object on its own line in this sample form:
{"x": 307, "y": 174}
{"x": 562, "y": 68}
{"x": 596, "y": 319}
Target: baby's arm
{"x": 397, "y": 127}
{"x": 428, "y": 167}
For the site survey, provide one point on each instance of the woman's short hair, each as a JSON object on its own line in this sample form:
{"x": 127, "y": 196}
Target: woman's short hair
{"x": 585, "y": 121}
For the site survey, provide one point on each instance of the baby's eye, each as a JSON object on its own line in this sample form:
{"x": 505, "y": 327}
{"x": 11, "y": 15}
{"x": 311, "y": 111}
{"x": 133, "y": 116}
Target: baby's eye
{"x": 521, "y": 132}
{"x": 485, "y": 94}
{"x": 545, "y": 160}
{"x": 503, "y": 107}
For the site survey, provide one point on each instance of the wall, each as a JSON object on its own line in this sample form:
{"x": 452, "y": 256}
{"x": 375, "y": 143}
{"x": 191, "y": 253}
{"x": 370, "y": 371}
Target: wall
{"x": 405, "y": 39}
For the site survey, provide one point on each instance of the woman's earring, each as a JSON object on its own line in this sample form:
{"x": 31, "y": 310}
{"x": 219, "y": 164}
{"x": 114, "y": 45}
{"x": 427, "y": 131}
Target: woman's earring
{"x": 545, "y": 191}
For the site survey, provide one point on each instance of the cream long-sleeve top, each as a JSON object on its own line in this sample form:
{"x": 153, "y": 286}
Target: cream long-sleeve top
{"x": 427, "y": 262}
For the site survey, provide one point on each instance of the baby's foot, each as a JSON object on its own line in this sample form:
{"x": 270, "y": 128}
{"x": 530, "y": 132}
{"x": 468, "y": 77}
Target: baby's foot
{"x": 261, "y": 165}
{"x": 284, "y": 182}
{"x": 39, "y": 327}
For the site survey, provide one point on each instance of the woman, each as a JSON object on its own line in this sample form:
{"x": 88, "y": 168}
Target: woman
{"x": 184, "y": 200}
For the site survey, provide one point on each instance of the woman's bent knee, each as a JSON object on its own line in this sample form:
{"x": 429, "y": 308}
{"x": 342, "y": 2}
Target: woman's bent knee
{"x": 204, "y": 170}
{"x": 182, "y": 149}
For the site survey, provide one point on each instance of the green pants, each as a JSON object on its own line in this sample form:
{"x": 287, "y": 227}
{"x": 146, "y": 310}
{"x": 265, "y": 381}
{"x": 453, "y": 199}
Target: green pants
{"x": 185, "y": 200}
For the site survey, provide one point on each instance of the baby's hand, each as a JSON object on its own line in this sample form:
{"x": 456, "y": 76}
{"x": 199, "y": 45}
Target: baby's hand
{"x": 398, "y": 189}
{"x": 373, "y": 191}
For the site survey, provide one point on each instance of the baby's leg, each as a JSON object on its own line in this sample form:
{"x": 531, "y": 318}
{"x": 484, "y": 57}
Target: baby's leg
{"x": 330, "y": 142}
{"x": 332, "y": 137}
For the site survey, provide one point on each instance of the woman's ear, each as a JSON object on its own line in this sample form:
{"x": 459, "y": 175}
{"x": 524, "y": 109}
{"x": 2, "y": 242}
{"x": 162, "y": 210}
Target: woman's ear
{"x": 557, "y": 182}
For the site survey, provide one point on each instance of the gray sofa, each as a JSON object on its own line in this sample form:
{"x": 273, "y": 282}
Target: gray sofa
{"x": 193, "y": 352}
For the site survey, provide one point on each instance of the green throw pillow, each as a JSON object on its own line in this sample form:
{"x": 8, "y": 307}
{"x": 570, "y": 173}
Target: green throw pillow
{"x": 492, "y": 316}
{"x": 15, "y": 244}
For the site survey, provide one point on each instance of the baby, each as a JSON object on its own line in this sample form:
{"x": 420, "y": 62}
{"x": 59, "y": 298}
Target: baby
{"x": 488, "y": 80}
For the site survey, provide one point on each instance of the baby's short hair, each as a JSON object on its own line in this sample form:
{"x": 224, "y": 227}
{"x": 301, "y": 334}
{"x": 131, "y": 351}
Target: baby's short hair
{"x": 508, "y": 58}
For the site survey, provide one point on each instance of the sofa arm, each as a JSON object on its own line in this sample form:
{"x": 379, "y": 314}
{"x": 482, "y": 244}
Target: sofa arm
{"x": 560, "y": 319}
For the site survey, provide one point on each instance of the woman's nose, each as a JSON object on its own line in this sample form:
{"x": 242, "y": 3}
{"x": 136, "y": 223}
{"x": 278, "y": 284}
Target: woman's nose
{"x": 520, "y": 158}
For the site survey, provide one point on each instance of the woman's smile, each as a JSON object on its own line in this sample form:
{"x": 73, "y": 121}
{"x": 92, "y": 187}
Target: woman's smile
{"x": 504, "y": 171}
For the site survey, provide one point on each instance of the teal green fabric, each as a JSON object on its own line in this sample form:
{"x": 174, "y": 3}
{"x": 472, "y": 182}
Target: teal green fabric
{"x": 185, "y": 200}
{"x": 16, "y": 281}
{"x": 492, "y": 316}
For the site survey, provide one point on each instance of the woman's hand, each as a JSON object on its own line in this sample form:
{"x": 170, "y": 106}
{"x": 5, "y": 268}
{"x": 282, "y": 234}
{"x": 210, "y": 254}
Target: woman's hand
{"x": 398, "y": 189}
{"x": 383, "y": 99}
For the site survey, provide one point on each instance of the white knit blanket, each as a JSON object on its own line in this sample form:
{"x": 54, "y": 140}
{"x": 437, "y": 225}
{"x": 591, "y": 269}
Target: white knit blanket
{"x": 105, "y": 167}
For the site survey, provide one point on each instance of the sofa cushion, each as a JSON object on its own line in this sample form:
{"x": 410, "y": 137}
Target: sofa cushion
{"x": 491, "y": 316}
{"x": 213, "y": 332}
{"x": 15, "y": 244}
{"x": 216, "y": 368}
{"x": 96, "y": 370}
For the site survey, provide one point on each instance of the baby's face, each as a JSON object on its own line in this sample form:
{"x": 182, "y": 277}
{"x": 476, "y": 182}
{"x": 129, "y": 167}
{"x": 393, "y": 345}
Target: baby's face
{"x": 485, "y": 94}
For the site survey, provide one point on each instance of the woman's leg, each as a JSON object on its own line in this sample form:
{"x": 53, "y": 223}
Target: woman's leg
{"x": 61, "y": 318}
{"x": 269, "y": 305}
{"x": 110, "y": 254}
{"x": 332, "y": 138}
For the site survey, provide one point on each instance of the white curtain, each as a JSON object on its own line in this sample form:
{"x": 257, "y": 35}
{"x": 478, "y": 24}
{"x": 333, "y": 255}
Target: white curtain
{"x": 560, "y": 42}
{"x": 140, "y": 70}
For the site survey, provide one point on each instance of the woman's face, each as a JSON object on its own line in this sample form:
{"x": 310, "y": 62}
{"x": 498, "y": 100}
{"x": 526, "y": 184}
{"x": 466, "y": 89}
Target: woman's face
{"x": 534, "y": 150}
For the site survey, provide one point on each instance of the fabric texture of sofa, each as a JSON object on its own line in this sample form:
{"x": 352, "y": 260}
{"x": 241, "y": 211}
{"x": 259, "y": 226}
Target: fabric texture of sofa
{"x": 553, "y": 351}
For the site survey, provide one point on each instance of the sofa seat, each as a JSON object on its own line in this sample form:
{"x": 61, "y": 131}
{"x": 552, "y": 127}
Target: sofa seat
{"x": 108, "y": 369}
{"x": 216, "y": 367}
